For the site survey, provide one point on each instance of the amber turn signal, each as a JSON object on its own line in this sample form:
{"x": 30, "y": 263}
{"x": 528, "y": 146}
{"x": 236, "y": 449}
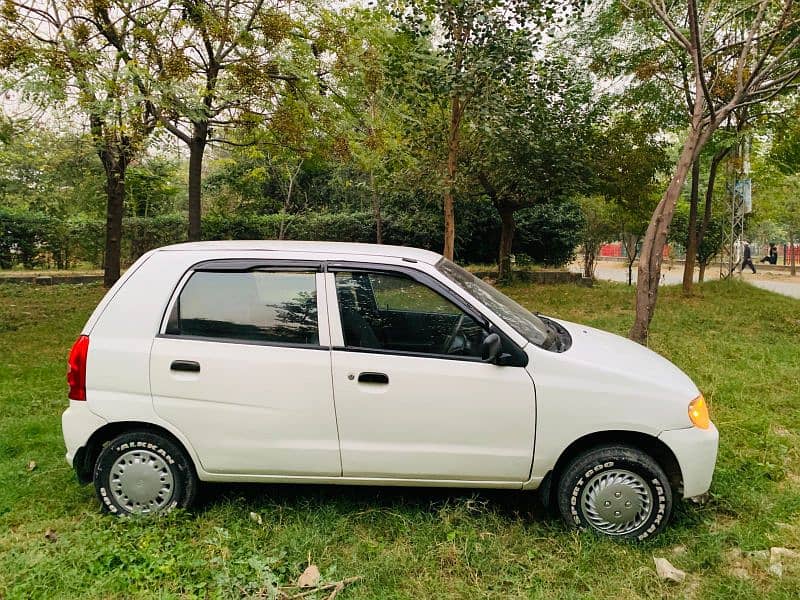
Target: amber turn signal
{"x": 698, "y": 412}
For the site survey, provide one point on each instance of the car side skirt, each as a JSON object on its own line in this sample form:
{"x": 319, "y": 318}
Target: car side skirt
{"x": 376, "y": 481}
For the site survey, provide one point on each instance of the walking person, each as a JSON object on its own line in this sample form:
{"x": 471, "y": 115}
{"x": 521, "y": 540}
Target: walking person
{"x": 747, "y": 257}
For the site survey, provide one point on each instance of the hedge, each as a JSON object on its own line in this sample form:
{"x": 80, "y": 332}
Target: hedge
{"x": 40, "y": 240}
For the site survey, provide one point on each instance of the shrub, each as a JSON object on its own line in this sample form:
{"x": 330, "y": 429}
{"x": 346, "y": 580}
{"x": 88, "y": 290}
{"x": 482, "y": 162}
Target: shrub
{"x": 545, "y": 233}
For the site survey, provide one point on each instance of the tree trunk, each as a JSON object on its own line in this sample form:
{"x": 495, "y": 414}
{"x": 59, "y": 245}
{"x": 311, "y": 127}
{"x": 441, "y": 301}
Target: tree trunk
{"x": 701, "y": 275}
{"x": 712, "y": 179}
{"x": 450, "y": 180}
{"x": 115, "y": 202}
{"x": 376, "y": 208}
{"x": 691, "y": 238}
{"x": 507, "y": 229}
{"x": 197, "y": 148}
{"x": 631, "y": 242}
{"x": 655, "y": 239}
{"x": 589, "y": 259}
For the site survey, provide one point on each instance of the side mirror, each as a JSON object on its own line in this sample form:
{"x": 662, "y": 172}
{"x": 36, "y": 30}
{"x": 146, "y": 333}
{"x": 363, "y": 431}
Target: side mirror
{"x": 490, "y": 347}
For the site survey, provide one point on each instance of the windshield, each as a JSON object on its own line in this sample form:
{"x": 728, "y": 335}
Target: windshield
{"x": 526, "y": 323}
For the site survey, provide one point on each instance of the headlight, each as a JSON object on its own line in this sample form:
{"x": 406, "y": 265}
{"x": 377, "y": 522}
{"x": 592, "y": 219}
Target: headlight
{"x": 698, "y": 412}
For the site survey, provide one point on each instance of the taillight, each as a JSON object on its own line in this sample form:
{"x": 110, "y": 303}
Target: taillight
{"x": 76, "y": 372}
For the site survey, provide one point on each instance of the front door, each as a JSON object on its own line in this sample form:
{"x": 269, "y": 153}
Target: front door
{"x": 242, "y": 368}
{"x": 413, "y": 398}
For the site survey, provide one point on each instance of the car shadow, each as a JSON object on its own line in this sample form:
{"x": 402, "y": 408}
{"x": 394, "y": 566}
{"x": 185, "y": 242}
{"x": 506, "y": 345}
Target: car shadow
{"x": 512, "y": 504}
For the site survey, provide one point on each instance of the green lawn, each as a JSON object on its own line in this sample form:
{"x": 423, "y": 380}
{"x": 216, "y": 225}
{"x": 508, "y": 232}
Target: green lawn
{"x": 740, "y": 345}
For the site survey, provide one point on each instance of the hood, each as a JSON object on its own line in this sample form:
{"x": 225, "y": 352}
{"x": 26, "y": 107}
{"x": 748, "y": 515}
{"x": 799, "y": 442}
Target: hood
{"x": 614, "y": 354}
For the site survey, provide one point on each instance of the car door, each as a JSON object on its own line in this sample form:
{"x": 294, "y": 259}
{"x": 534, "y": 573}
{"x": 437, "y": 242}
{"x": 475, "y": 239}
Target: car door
{"x": 242, "y": 368}
{"x": 413, "y": 398}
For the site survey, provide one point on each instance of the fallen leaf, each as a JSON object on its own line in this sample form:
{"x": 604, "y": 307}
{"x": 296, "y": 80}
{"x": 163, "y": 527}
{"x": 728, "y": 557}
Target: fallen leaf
{"x": 759, "y": 554}
{"x": 678, "y": 550}
{"x": 31, "y": 465}
{"x": 309, "y": 578}
{"x": 50, "y": 535}
{"x": 665, "y": 570}
{"x": 257, "y": 518}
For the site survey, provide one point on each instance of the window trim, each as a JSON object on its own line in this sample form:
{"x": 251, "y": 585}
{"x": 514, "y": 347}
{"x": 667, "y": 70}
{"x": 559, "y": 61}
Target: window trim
{"x": 221, "y": 340}
{"x": 245, "y": 265}
{"x": 409, "y": 353}
{"x": 423, "y": 278}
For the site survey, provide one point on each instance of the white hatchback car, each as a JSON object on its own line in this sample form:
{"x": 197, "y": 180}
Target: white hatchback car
{"x": 370, "y": 365}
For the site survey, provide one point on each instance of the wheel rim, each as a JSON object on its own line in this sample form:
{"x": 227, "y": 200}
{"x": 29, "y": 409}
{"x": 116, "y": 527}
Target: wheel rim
{"x": 616, "y": 502}
{"x": 141, "y": 481}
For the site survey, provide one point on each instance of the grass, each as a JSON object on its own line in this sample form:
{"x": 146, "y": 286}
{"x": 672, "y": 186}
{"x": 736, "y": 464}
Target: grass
{"x": 740, "y": 345}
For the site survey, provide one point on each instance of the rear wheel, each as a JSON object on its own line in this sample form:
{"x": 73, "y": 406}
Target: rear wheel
{"x": 143, "y": 472}
{"x": 617, "y": 491}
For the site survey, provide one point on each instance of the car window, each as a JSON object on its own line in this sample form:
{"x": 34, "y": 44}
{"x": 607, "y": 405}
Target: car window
{"x": 393, "y": 312}
{"x": 405, "y": 294}
{"x": 256, "y": 306}
{"x": 526, "y": 323}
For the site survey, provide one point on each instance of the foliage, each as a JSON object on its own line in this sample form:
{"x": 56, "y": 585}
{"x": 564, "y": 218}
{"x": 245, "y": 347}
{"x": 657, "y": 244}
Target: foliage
{"x": 599, "y": 226}
{"x": 530, "y": 138}
{"x": 549, "y": 233}
{"x": 712, "y": 242}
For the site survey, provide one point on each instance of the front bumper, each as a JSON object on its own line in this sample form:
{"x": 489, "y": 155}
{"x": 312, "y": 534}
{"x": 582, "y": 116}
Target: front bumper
{"x": 78, "y": 423}
{"x": 696, "y": 451}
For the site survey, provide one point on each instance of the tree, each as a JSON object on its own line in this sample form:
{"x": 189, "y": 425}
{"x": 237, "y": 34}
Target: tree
{"x": 626, "y": 162}
{"x": 529, "y": 140}
{"x": 369, "y": 131}
{"x": 736, "y": 55}
{"x": 599, "y": 227}
{"x": 61, "y": 59}
{"x": 203, "y": 67}
{"x": 711, "y": 243}
{"x": 474, "y": 54}
{"x": 696, "y": 244}
{"x": 779, "y": 200}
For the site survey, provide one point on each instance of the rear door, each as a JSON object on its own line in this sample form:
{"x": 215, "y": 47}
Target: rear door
{"x": 414, "y": 400}
{"x": 242, "y": 368}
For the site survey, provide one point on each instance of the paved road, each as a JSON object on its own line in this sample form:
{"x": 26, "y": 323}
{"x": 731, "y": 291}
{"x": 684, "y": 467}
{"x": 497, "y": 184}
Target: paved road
{"x": 780, "y": 284}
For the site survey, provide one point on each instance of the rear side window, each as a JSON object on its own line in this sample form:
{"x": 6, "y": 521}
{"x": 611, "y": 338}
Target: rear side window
{"x": 256, "y": 306}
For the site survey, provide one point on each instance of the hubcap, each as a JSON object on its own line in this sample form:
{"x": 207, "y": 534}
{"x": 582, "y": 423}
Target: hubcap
{"x": 141, "y": 481}
{"x": 616, "y": 502}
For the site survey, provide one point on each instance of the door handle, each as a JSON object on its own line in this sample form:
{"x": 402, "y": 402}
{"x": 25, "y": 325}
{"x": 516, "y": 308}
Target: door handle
{"x": 185, "y": 365}
{"x": 368, "y": 377}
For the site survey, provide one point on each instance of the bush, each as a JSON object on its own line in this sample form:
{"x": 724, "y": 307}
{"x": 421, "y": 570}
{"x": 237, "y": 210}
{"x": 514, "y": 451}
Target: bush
{"x": 545, "y": 233}
{"x": 549, "y": 233}
{"x": 23, "y": 237}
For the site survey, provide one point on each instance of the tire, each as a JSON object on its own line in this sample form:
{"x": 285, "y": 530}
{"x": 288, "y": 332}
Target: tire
{"x": 143, "y": 472}
{"x": 617, "y": 491}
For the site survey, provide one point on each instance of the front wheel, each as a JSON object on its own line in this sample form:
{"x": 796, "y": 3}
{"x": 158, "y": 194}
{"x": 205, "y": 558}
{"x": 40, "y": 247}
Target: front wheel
{"x": 617, "y": 491}
{"x": 143, "y": 472}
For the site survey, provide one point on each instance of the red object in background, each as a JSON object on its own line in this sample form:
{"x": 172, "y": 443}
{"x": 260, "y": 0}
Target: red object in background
{"x": 614, "y": 250}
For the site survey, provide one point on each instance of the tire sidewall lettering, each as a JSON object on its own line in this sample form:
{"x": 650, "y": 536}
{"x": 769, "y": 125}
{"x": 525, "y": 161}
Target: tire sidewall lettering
{"x": 657, "y": 492}
{"x": 112, "y": 453}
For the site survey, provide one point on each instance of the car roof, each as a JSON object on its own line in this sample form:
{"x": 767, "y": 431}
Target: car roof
{"x": 316, "y": 248}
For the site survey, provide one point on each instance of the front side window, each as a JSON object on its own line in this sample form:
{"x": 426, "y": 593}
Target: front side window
{"x": 256, "y": 306}
{"x": 392, "y": 312}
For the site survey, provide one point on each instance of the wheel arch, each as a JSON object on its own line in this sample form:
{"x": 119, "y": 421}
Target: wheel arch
{"x": 644, "y": 442}
{"x": 86, "y": 456}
